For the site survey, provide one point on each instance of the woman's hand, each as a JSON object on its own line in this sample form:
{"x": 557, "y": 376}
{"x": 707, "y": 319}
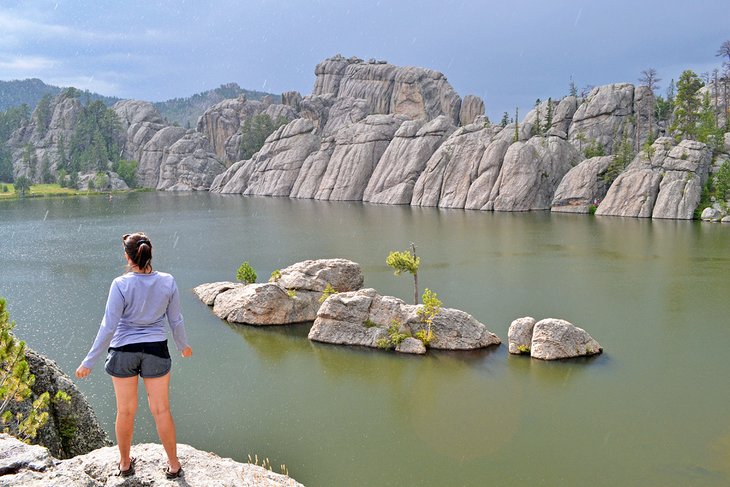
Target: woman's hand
{"x": 187, "y": 352}
{"x": 82, "y": 372}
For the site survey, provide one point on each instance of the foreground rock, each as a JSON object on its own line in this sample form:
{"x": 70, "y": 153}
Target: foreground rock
{"x": 363, "y": 318}
{"x": 550, "y": 339}
{"x": 293, "y": 298}
{"x": 26, "y": 465}
{"x": 72, "y": 427}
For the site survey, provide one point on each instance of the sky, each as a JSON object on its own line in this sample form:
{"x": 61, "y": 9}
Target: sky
{"x": 507, "y": 52}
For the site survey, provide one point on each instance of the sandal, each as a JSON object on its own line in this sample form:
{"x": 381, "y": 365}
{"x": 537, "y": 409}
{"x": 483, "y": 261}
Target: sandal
{"x": 173, "y": 475}
{"x": 129, "y": 472}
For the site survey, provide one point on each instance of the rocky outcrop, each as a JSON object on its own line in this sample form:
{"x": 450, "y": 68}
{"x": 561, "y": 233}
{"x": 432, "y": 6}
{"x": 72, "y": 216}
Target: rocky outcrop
{"x": 108, "y": 181}
{"x": 358, "y": 149}
{"x": 363, "y": 318}
{"x": 453, "y": 167}
{"x": 189, "y": 165}
{"x": 274, "y": 169}
{"x": 312, "y": 170}
{"x": 664, "y": 183}
{"x": 531, "y": 172}
{"x": 72, "y": 427}
{"x": 583, "y": 186}
{"x": 471, "y": 107}
{"x": 28, "y": 465}
{"x": 404, "y": 160}
{"x": 482, "y": 191}
{"x": 604, "y": 117}
{"x": 153, "y": 154}
{"x": 550, "y": 339}
{"x": 293, "y": 298}
{"x": 388, "y": 89}
{"x": 140, "y": 121}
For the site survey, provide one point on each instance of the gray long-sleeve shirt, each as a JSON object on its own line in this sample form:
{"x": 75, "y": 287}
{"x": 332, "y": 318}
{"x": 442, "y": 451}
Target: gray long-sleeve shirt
{"x": 136, "y": 311}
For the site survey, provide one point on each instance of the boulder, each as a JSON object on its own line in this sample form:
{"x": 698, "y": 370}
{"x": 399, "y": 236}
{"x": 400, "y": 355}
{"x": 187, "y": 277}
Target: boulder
{"x": 208, "y": 292}
{"x": 363, "y": 318}
{"x": 633, "y": 193}
{"x": 531, "y": 173}
{"x": 583, "y": 186}
{"x": 266, "y": 304}
{"x": 519, "y": 335}
{"x": 404, "y": 160}
{"x": 33, "y": 466}
{"x": 190, "y": 165}
{"x": 711, "y": 214}
{"x": 554, "y": 339}
{"x": 451, "y": 170}
{"x": 314, "y": 275}
{"x": 411, "y": 345}
{"x": 471, "y": 107}
{"x": 357, "y": 152}
{"x": 293, "y": 298}
{"x": 72, "y": 427}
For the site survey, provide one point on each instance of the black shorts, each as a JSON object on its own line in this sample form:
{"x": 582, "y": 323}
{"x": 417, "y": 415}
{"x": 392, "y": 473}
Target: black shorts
{"x": 148, "y": 360}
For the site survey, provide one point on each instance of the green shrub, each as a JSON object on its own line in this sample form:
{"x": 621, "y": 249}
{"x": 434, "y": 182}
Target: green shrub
{"x": 328, "y": 291}
{"x": 246, "y": 274}
{"x": 430, "y": 309}
{"x": 292, "y": 293}
{"x": 368, "y": 323}
{"x": 594, "y": 149}
{"x": 395, "y": 337}
{"x": 722, "y": 181}
{"x": 275, "y": 276}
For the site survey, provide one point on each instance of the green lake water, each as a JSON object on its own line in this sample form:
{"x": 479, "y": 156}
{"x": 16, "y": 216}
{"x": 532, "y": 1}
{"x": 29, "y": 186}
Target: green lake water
{"x": 654, "y": 409}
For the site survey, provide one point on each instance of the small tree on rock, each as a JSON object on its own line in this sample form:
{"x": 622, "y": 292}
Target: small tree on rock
{"x": 246, "y": 274}
{"x": 406, "y": 261}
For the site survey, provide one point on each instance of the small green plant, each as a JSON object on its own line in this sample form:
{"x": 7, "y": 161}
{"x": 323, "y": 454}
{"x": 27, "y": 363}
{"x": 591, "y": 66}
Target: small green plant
{"x": 5, "y": 188}
{"x": 292, "y": 293}
{"x": 368, "y": 323}
{"x": 592, "y": 209}
{"x": 594, "y": 149}
{"x": 428, "y": 312}
{"x": 266, "y": 463}
{"x": 15, "y": 385}
{"x": 275, "y": 276}
{"x": 523, "y": 348}
{"x": 684, "y": 156}
{"x": 406, "y": 261}
{"x": 246, "y": 274}
{"x": 328, "y": 291}
{"x": 395, "y": 337}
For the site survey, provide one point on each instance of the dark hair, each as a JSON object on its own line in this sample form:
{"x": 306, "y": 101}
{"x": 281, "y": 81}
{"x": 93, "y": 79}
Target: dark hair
{"x": 139, "y": 249}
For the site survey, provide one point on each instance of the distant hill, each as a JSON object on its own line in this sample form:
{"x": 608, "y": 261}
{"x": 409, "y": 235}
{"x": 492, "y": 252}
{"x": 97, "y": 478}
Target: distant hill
{"x": 185, "y": 111}
{"x": 30, "y": 91}
{"x": 181, "y": 111}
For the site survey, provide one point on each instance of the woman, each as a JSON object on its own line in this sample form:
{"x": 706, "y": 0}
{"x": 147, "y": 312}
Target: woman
{"x": 133, "y": 329}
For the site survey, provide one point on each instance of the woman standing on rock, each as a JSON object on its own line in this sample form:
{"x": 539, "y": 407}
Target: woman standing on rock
{"x": 134, "y": 331}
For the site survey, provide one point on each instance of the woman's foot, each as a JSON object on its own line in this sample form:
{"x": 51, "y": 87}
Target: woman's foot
{"x": 129, "y": 471}
{"x": 171, "y": 473}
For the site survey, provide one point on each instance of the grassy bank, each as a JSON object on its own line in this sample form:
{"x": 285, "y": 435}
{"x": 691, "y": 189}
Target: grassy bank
{"x": 50, "y": 190}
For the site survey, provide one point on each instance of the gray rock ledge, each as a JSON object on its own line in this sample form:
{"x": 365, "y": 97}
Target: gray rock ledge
{"x": 550, "y": 339}
{"x": 33, "y": 466}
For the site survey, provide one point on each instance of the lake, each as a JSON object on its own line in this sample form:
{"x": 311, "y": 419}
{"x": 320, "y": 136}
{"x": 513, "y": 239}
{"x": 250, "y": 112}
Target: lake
{"x": 653, "y": 409}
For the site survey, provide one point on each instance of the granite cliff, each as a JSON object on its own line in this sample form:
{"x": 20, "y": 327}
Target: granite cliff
{"x": 375, "y": 132}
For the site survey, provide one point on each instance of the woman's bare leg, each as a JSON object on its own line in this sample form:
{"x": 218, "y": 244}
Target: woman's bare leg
{"x": 159, "y": 399}
{"x": 125, "y": 390}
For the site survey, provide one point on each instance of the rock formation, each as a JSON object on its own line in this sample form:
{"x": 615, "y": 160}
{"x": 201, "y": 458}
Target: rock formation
{"x": 664, "y": 183}
{"x": 293, "y": 298}
{"x": 72, "y": 427}
{"x": 550, "y": 339}
{"x": 604, "y": 116}
{"x": 363, "y": 318}
{"x": 471, "y": 107}
{"x": 583, "y": 186}
{"x": 29, "y": 465}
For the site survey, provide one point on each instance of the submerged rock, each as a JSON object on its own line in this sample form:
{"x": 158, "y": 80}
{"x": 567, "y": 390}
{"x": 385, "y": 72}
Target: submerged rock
{"x": 32, "y": 466}
{"x": 550, "y": 339}
{"x": 363, "y": 318}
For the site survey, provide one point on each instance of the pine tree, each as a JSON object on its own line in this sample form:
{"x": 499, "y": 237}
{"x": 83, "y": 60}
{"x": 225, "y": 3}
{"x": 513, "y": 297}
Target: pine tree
{"x": 687, "y": 106}
{"x": 650, "y": 80}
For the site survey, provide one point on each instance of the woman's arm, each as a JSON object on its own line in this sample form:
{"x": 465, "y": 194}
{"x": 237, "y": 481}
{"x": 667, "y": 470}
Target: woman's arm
{"x": 176, "y": 322}
{"x": 112, "y": 315}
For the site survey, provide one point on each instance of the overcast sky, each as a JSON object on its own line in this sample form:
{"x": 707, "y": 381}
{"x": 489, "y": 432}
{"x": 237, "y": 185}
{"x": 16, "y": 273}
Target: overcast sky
{"x": 508, "y": 52}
